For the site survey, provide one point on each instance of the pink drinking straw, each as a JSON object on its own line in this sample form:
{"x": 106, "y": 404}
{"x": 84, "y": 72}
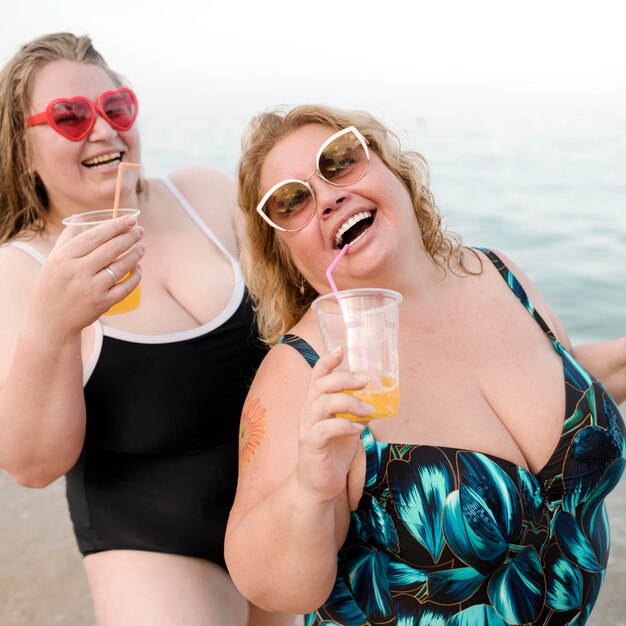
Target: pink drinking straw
{"x": 331, "y": 267}
{"x": 346, "y": 320}
{"x": 118, "y": 186}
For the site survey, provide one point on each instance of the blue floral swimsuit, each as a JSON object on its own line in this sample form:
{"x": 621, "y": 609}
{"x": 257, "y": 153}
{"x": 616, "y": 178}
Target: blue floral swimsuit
{"x": 450, "y": 537}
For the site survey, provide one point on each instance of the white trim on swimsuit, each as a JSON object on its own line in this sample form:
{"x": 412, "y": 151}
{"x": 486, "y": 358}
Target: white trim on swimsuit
{"x": 101, "y": 330}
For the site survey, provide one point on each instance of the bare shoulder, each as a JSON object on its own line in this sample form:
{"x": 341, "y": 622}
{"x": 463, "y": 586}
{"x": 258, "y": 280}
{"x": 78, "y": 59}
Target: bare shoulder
{"x": 192, "y": 179}
{"x": 212, "y": 195}
{"x": 269, "y": 424}
{"x": 18, "y": 269}
{"x": 205, "y": 188}
{"x": 537, "y": 299}
{"x": 18, "y": 272}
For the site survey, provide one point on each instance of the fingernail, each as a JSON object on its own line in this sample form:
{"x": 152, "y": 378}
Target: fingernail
{"x": 130, "y": 221}
{"x": 361, "y": 378}
{"x": 367, "y": 407}
{"x": 336, "y": 350}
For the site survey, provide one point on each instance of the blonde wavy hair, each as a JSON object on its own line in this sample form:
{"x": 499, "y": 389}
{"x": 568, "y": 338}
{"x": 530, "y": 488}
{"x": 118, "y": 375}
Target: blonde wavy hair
{"x": 23, "y": 197}
{"x": 273, "y": 280}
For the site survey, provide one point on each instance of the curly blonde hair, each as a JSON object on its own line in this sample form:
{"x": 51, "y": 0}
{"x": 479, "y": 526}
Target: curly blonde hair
{"x": 273, "y": 280}
{"x": 23, "y": 197}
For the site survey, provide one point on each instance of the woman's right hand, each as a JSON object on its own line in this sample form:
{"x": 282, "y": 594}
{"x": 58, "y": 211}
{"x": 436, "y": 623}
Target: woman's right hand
{"x": 73, "y": 287}
{"x": 328, "y": 444}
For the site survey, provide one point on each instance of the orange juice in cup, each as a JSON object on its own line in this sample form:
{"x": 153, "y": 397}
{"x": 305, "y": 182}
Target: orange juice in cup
{"x": 384, "y": 398}
{"x": 365, "y": 323}
{"x": 129, "y": 303}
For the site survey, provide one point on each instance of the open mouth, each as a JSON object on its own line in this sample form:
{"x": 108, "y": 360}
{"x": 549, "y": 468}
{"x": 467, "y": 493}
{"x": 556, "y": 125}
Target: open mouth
{"x": 105, "y": 159}
{"x": 352, "y": 229}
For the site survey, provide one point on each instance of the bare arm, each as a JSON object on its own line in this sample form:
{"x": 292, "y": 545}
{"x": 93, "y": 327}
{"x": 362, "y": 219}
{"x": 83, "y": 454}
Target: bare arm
{"x": 291, "y": 509}
{"x": 606, "y": 361}
{"x": 42, "y": 409}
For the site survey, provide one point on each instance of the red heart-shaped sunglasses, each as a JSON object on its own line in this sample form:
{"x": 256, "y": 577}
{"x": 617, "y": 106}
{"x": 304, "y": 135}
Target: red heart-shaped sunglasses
{"x": 74, "y": 118}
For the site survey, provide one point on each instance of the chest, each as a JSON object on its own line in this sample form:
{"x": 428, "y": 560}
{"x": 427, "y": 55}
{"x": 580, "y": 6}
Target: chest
{"x": 483, "y": 379}
{"x": 195, "y": 275}
{"x": 187, "y": 280}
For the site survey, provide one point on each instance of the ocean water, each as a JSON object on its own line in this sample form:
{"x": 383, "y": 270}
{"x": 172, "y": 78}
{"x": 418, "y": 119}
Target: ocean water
{"x": 539, "y": 174}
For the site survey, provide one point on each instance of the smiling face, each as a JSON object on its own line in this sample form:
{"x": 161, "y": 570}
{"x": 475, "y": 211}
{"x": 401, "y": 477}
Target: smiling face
{"x": 374, "y": 215}
{"x": 79, "y": 175}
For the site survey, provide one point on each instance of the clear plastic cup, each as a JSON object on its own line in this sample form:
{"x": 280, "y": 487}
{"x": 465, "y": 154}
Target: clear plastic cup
{"x": 365, "y": 323}
{"x": 84, "y": 221}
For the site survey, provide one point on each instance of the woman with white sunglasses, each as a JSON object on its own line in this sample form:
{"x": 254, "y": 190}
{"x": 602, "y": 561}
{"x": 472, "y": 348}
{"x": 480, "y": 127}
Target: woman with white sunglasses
{"x": 139, "y": 410}
{"x": 481, "y": 501}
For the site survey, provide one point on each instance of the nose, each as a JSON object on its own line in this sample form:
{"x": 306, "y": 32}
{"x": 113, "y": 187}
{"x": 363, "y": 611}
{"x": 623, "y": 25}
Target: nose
{"x": 101, "y": 130}
{"x": 329, "y": 197}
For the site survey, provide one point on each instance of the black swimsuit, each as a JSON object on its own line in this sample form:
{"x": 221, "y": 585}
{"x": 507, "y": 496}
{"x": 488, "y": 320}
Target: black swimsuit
{"x": 159, "y": 467}
{"x": 158, "y": 470}
{"x": 445, "y": 536}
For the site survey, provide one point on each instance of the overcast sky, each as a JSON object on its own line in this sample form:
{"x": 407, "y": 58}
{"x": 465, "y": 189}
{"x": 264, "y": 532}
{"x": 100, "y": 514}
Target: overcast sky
{"x": 231, "y": 59}
{"x": 536, "y": 42}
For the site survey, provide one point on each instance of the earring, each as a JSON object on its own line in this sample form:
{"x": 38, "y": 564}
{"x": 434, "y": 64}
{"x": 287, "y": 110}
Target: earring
{"x": 302, "y": 284}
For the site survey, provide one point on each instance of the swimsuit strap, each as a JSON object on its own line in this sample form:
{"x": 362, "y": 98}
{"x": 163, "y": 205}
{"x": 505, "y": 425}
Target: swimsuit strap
{"x": 28, "y": 249}
{"x": 202, "y": 225}
{"x": 519, "y": 292}
{"x": 304, "y": 348}
{"x": 372, "y": 452}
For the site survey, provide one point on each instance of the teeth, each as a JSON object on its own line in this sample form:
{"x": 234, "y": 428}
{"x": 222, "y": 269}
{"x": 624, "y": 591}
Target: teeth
{"x": 363, "y": 215}
{"x": 105, "y": 158}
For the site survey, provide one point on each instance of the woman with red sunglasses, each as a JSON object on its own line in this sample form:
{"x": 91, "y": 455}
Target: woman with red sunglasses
{"x": 139, "y": 411}
{"x": 481, "y": 501}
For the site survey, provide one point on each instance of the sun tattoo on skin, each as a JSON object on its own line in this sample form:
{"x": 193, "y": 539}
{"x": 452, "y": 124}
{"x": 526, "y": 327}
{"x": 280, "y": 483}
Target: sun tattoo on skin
{"x": 252, "y": 429}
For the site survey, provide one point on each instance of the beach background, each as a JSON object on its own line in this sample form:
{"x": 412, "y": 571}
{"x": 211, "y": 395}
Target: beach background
{"x": 520, "y": 112}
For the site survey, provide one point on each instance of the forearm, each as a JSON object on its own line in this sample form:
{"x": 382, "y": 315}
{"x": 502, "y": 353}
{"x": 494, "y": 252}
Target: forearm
{"x": 42, "y": 409}
{"x": 282, "y": 555}
{"x": 606, "y": 361}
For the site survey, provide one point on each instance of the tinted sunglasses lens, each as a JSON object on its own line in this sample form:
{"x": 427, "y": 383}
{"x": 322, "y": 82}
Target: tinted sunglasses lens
{"x": 290, "y": 206}
{"x": 72, "y": 119}
{"x": 120, "y": 110}
{"x": 344, "y": 160}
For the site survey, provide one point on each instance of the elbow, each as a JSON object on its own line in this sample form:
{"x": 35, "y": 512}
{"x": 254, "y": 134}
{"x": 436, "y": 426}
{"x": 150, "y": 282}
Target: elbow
{"x": 35, "y": 475}
{"x": 34, "y": 479}
{"x": 278, "y": 602}
{"x": 250, "y": 588}
{"x": 258, "y": 589}
{"x": 251, "y": 592}
{"x": 37, "y": 471}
